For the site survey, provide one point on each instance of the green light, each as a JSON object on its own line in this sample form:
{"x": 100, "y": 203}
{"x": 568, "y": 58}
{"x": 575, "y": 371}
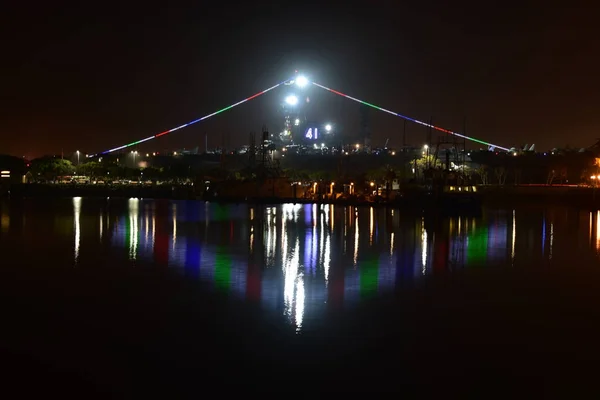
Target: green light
{"x": 369, "y": 276}
{"x": 222, "y": 269}
{"x": 477, "y": 247}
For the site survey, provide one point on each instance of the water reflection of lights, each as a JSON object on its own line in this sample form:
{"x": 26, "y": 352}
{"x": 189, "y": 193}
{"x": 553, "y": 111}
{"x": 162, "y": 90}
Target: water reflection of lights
{"x": 371, "y": 225}
{"x": 305, "y": 270}
{"x": 153, "y": 228}
{"x": 101, "y": 225}
{"x": 146, "y": 226}
{"x": 332, "y": 216}
{"x": 284, "y": 239}
{"x": 134, "y": 227}
{"x": 174, "y": 226}
{"x": 514, "y": 235}
{"x": 325, "y": 245}
{"x": 312, "y": 261}
{"x": 294, "y": 294}
{"x": 273, "y": 270}
{"x": 300, "y": 298}
{"x": 356, "y": 240}
{"x": 423, "y": 247}
{"x": 271, "y": 235}
{"x": 76, "y": 218}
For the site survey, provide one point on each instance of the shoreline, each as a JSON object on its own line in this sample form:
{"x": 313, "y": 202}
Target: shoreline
{"x": 495, "y": 196}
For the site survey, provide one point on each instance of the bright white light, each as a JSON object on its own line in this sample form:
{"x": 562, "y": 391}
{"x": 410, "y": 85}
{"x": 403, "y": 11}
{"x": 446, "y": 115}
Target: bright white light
{"x": 328, "y": 128}
{"x": 297, "y": 122}
{"x": 76, "y": 217}
{"x": 301, "y": 81}
{"x": 291, "y": 100}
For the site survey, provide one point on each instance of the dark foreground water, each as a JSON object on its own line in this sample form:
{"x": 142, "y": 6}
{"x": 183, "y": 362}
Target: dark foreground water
{"x": 110, "y": 297}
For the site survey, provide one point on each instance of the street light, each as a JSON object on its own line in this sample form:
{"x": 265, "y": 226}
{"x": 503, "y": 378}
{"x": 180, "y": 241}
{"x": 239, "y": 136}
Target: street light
{"x": 291, "y": 100}
{"x": 134, "y": 154}
{"x": 328, "y": 127}
{"x": 77, "y": 157}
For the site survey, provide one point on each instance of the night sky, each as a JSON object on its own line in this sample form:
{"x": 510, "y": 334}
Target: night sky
{"x": 92, "y": 77}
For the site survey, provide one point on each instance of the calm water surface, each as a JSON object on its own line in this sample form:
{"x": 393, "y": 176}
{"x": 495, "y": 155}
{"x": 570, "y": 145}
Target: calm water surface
{"x": 297, "y": 260}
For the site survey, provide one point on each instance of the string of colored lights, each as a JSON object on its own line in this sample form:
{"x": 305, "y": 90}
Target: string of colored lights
{"x": 437, "y": 128}
{"x": 191, "y": 122}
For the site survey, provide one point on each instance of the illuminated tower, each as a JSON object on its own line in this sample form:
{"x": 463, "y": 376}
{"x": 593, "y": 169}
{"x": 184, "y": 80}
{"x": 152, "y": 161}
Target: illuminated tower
{"x": 290, "y": 117}
{"x": 293, "y": 107}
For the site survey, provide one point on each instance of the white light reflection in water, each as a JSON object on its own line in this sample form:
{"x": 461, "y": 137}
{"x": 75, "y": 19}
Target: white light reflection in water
{"x": 392, "y": 244}
{"x": 77, "y": 226}
{"x": 134, "y": 228}
{"x": 356, "y": 239}
{"x": 300, "y": 298}
{"x": 324, "y": 248}
{"x": 271, "y": 234}
{"x": 327, "y": 263}
{"x": 297, "y": 208}
{"x": 284, "y": 236}
{"x": 514, "y": 236}
{"x": 322, "y": 241}
{"x": 293, "y": 288}
{"x": 423, "y": 247}
{"x": 313, "y": 243}
{"x": 101, "y": 225}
